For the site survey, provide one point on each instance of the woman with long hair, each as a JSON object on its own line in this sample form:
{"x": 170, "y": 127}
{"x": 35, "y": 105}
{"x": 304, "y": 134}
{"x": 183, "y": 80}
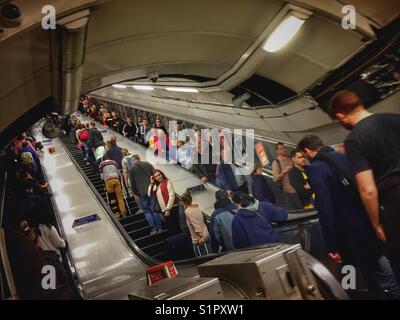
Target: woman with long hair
{"x": 162, "y": 190}
{"x": 197, "y": 227}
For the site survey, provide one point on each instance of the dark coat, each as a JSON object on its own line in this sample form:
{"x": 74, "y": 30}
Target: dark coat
{"x": 115, "y": 153}
{"x": 250, "y": 228}
{"x": 139, "y": 177}
{"x": 297, "y": 181}
{"x": 226, "y": 178}
{"x": 95, "y": 138}
{"x": 225, "y": 210}
{"x": 345, "y": 224}
{"x": 261, "y": 189}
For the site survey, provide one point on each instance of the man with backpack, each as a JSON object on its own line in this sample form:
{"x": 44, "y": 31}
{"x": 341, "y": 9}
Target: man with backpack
{"x": 95, "y": 140}
{"x": 221, "y": 222}
{"x": 348, "y": 233}
{"x": 252, "y": 224}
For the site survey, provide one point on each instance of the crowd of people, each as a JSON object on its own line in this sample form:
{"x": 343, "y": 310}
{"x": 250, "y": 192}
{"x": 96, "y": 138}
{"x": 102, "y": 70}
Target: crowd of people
{"x": 356, "y": 190}
{"x": 359, "y": 227}
{"x": 199, "y": 154}
{"x": 31, "y": 236}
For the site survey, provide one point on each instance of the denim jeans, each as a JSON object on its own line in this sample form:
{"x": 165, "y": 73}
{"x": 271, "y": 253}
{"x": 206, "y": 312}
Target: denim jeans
{"x": 89, "y": 155}
{"x": 380, "y": 280}
{"x": 153, "y": 218}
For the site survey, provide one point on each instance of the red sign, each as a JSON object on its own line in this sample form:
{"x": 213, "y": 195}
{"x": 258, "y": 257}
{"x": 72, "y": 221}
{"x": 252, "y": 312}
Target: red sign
{"x": 160, "y": 272}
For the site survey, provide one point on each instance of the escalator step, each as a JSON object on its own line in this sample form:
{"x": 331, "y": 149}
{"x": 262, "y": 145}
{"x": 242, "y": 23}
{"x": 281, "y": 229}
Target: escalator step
{"x": 150, "y": 239}
{"x": 135, "y": 225}
{"x": 141, "y": 232}
{"x": 132, "y": 218}
{"x": 154, "y": 248}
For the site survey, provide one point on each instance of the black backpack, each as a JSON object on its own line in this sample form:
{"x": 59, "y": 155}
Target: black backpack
{"x": 346, "y": 177}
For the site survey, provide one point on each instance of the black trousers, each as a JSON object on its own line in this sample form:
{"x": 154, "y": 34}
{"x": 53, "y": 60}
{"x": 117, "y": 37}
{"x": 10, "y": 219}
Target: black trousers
{"x": 389, "y": 195}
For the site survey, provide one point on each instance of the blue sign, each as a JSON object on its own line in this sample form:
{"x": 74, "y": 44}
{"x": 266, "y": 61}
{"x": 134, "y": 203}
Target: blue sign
{"x": 85, "y": 220}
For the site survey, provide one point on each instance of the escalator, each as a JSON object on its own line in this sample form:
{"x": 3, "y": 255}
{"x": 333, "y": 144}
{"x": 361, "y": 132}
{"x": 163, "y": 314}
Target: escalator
{"x": 135, "y": 223}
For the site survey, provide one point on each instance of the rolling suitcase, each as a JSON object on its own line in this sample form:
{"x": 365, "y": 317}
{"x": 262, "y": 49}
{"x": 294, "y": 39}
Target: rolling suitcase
{"x": 202, "y": 249}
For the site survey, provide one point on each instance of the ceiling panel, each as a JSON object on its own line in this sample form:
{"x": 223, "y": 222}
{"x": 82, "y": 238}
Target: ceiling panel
{"x": 312, "y": 53}
{"x": 164, "y": 49}
{"x": 125, "y": 18}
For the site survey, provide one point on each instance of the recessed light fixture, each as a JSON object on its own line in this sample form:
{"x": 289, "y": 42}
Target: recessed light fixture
{"x": 182, "y": 89}
{"x": 143, "y": 87}
{"x": 286, "y": 30}
{"x": 119, "y": 86}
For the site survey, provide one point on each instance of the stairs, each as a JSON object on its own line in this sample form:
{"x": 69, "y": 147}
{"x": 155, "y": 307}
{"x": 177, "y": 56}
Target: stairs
{"x": 135, "y": 224}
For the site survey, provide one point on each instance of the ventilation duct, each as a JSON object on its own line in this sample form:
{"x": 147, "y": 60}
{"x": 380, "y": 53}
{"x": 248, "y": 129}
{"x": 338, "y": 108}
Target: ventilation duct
{"x": 240, "y": 100}
{"x": 68, "y": 52}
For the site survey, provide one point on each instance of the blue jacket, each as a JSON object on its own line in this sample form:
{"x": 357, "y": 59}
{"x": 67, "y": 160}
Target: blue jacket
{"x": 250, "y": 229}
{"x": 115, "y": 153}
{"x": 221, "y": 226}
{"x": 226, "y": 177}
{"x": 261, "y": 189}
{"x": 345, "y": 224}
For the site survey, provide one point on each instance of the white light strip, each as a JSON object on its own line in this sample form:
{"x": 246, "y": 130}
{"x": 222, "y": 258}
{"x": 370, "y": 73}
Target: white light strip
{"x": 182, "y": 89}
{"x": 119, "y": 86}
{"x": 283, "y": 34}
{"x": 143, "y": 87}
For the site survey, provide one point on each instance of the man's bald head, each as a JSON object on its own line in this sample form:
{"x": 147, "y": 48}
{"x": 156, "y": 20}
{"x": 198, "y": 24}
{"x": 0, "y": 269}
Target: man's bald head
{"x": 344, "y": 102}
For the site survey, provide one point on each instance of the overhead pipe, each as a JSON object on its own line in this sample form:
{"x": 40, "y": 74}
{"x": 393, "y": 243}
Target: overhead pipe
{"x": 68, "y": 53}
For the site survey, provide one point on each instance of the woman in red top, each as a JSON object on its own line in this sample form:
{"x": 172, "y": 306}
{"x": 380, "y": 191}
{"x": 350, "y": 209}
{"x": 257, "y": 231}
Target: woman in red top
{"x": 162, "y": 190}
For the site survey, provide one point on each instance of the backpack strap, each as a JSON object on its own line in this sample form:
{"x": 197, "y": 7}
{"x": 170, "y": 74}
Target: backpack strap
{"x": 345, "y": 176}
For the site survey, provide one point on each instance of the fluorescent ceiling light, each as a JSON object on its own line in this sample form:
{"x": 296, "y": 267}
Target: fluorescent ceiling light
{"x": 119, "y": 86}
{"x": 182, "y": 89}
{"x": 143, "y": 87}
{"x": 283, "y": 33}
